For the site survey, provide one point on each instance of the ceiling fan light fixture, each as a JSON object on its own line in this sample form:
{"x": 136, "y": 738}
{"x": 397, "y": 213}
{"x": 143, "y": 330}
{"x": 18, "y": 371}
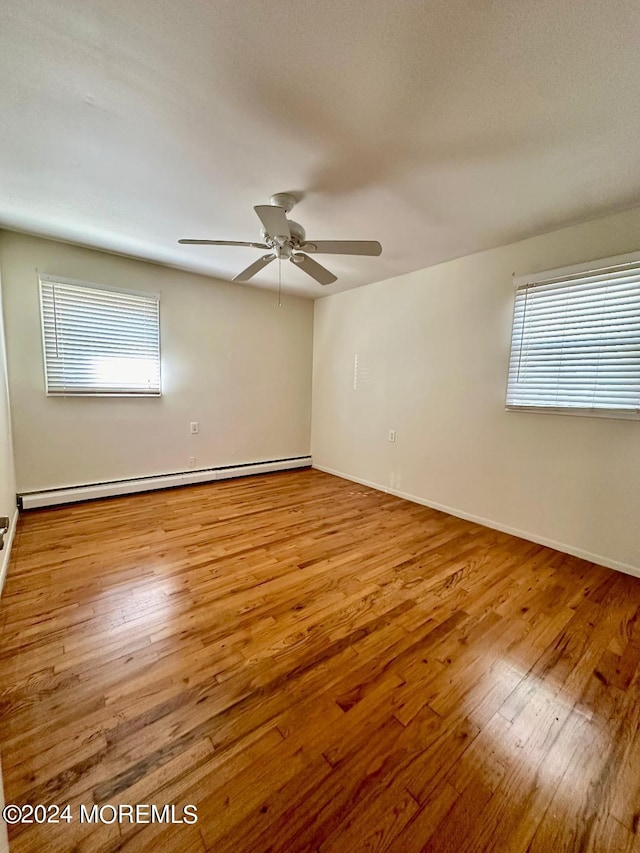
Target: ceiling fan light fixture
{"x": 282, "y": 248}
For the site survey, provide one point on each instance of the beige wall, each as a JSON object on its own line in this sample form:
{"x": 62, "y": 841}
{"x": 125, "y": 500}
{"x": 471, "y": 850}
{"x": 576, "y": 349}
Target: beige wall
{"x": 7, "y": 474}
{"x": 433, "y": 348}
{"x": 231, "y": 359}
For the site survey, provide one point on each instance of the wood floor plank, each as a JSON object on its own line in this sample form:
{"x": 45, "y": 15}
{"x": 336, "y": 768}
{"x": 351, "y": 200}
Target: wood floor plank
{"x": 316, "y": 666}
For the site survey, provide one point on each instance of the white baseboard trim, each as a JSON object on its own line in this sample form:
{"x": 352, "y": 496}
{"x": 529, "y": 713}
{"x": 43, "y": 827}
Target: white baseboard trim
{"x": 494, "y": 525}
{"x": 93, "y": 491}
{"x": 6, "y": 551}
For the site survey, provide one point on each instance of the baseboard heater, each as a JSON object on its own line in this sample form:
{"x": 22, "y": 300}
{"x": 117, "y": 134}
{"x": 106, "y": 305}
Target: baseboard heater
{"x": 93, "y": 491}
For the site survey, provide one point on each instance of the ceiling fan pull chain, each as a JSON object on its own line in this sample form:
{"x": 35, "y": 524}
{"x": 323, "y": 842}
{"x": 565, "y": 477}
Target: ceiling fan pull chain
{"x": 279, "y": 282}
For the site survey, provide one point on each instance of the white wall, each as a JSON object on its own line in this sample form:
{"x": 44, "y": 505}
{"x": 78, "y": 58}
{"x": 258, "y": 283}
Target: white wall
{"x": 433, "y": 346}
{"x": 231, "y": 359}
{"x": 7, "y": 474}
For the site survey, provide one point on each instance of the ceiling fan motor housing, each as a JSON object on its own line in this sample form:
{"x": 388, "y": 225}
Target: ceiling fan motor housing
{"x": 298, "y": 234}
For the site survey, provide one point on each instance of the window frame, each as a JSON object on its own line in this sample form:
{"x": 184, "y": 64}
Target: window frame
{"x": 520, "y": 281}
{"x": 57, "y": 279}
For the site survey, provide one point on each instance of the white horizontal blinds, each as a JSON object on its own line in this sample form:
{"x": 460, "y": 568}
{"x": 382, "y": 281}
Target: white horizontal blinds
{"x": 99, "y": 341}
{"x": 576, "y": 342}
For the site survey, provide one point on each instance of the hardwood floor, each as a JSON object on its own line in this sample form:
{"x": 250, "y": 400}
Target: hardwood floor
{"x": 315, "y": 666}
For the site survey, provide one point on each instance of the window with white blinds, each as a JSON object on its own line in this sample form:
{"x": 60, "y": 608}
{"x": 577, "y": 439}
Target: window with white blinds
{"x": 98, "y": 340}
{"x": 576, "y": 341}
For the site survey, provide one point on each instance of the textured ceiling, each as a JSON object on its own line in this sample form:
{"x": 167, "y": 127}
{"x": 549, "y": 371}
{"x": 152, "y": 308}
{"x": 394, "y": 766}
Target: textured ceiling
{"x": 438, "y": 128}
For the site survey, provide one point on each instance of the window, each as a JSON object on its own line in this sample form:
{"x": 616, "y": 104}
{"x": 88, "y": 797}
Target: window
{"x": 99, "y": 341}
{"x": 575, "y": 346}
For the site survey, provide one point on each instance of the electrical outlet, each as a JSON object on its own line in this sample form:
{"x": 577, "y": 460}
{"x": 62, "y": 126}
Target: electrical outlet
{"x": 191, "y": 462}
{"x": 392, "y": 435}
{"x": 194, "y": 427}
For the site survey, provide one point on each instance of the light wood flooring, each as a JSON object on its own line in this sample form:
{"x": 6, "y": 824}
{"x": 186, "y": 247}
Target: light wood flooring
{"x": 315, "y": 666}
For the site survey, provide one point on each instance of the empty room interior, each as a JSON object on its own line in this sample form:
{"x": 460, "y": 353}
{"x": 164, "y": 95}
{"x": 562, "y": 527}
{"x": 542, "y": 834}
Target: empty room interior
{"x": 319, "y": 426}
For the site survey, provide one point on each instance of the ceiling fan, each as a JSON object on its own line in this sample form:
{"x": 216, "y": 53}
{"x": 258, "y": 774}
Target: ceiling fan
{"x": 286, "y": 240}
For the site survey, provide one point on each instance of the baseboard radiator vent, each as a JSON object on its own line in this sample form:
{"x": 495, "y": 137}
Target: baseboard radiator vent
{"x": 93, "y": 491}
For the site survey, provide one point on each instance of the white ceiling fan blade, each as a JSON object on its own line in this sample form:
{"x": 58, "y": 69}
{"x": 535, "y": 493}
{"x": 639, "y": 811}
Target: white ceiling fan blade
{"x": 254, "y": 268}
{"x": 274, "y": 220}
{"x": 343, "y": 247}
{"x": 222, "y": 243}
{"x": 313, "y": 268}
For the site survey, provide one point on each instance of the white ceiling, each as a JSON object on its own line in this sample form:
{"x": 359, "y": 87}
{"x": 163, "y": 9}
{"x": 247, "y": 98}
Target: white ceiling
{"x": 439, "y": 128}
